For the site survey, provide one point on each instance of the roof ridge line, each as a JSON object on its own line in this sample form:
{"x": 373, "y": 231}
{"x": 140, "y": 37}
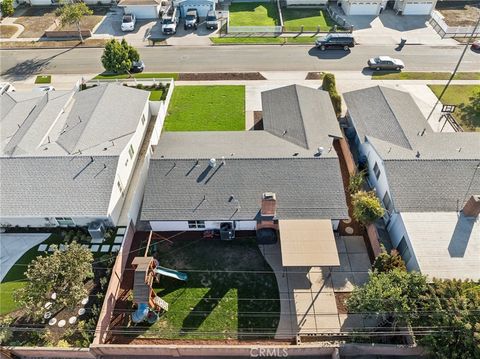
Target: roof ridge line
{"x": 301, "y": 115}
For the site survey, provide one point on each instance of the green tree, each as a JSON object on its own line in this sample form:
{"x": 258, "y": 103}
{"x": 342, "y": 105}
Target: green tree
{"x": 386, "y": 262}
{"x": 72, "y": 14}
{"x": 7, "y": 8}
{"x": 366, "y": 207}
{"x": 391, "y": 296}
{"x": 118, "y": 57}
{"x": 455, "y": 306}
{"x": 61, "y": 272}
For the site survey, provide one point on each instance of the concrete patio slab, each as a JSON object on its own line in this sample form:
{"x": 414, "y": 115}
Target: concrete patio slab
{"x": 14, "y": 245}
{"x": 343, "y": 281}
{"x": 115, "y": 248}
{"x": 94, "y": 248}
{"x": 118, "y": 239}
{"x": 359, "y": 262}
{"x": 360, "y": 278}
{"x": 341, "y": 247}
{"x": 121, "y": 231}
{"x": 105, "y": 248}
{"x": 42, "y": 247}
{"x": 344, "y": 263}
{"x": 355, "y": 244}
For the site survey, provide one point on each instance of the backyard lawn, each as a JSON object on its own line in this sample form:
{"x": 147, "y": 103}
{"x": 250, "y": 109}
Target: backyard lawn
{"x": 254, "y": 14}
{"x": 293, "y": 19}
{"x": 467, "y": 99}
{"x": 231, "y": 291}
{"x": 206, "y": 108}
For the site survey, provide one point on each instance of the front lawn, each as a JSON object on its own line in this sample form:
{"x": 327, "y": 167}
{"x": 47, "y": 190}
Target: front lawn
{"x": 231, "y": 291}
{"x": 467, "y": 99}
{"x": 253, "y": 14}
{"x": 143, "y": 75}
{"x": 302, "y": 40}
{"x": 43, "y": 79}
{"x": 156, "y": 95}
{"x": 293, "y": 19}
{"x": 406, "y": 75}
{"x": 206, "y": 108}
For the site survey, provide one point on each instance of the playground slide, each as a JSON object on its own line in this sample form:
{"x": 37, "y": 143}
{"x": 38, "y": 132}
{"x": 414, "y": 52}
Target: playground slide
{"x": 171, "y": 273}
{"x": 141, "y": 313}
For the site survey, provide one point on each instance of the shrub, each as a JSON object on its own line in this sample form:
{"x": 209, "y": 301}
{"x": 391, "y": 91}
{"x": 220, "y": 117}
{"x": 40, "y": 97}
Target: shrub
{"x": 7, "y": 8}
{"x": 329, "y": 85}
{"x": 366, "y": 207}
{"x": 356, "y": 182}
{"x": 386, "y": 262}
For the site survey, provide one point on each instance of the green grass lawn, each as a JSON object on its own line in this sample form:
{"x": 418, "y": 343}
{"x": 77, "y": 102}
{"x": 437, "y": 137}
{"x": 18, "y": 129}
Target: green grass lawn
{"x": 206, "y": 108}
{"x": 223, "y": 297}
{"x": 303, "y": 40}
{"x": 143, "y": 75}
{"x": 467, "y": 99}
{"x": 14, "y": 278}
{"x": 253, "y": 14}
{"x": 293, "y": 19}
{"x": 155, "y": 95}
{"x": 43, "y": 79}
{"x": 385, "y": 75}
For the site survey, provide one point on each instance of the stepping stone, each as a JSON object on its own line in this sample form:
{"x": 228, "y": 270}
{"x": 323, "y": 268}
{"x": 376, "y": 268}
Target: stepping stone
{"x": 48, "y": 305}
{"x": 118, "y": 239}
{"x": 42, "y": 247}
{"x": 72, "y": 320}
{"x": 53, "y": 296}
{"x": 47, "y": 315}
{"x": 105, "y": 248}
{"x": 94, "y": 248}
{"x": 52, "y": 321}
{"x": 50, "y": 249}
{"x": 84, "y": 301}
{"x": 97, "y": 240}
{"x": 347, "y": 221}
{"x": 61, "y": 323}
{"x": 349, "y": 230}
{"x": 121, "y": 230}
{"x": 81, "y": 311}
{"x": 115, "y": 248}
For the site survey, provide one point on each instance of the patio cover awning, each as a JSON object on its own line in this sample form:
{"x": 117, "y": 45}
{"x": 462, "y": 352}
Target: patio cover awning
{"x": 308, "y": 243}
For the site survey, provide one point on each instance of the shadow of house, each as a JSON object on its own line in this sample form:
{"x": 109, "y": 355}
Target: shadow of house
{"x": 461, "y": 236}
{"x": 403, "y": 23}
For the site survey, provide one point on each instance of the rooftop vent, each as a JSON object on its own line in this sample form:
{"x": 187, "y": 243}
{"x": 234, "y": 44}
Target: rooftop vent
{"x": 212, "y": 162}
{"x": 321, "y": 150}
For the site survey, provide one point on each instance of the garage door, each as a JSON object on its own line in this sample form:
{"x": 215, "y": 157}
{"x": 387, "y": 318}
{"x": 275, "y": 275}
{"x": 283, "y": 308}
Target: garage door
{"x": 418, "y": 8}
{"x": 142, "y": 11}
{"x": 364, "y": 9}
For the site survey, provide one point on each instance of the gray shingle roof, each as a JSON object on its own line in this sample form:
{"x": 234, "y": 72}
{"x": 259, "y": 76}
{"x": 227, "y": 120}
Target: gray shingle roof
{"x": 187, "y": 190}
{"x": 432, "y": 185}
{"x": 56, "y": 186}
{"x": 386, "y": 114}
{"x": 299, "y": 114}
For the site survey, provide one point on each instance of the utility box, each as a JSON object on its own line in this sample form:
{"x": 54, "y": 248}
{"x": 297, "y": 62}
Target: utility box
{"x": 97, "y": 230}
{"x": 227, "y": 232}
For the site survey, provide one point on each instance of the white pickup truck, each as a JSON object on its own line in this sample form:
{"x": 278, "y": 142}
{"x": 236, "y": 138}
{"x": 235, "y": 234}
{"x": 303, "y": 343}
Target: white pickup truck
{"x": 170, "y": 21}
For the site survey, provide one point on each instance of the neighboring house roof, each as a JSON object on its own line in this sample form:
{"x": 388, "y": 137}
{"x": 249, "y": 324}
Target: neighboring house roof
{"x": 446, "y": 245}
{"x": 291, "y": 113}
{"x": 386, "y": 114}
{"x": 432, "y": 185}
{"x": 182, "y": 186}
{"x": 56, "y": 186}
{"x": 139, "y": 2}
{"x": 426, "y": 171}
{"x": 67, "y": 122}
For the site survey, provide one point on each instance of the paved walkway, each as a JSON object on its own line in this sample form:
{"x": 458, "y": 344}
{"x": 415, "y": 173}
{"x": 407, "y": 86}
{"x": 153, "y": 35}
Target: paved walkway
{"x": 14, "y": 245}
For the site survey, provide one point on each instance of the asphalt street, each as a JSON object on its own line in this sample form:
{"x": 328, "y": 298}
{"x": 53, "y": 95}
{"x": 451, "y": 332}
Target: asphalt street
{"x": 18, "y": 64}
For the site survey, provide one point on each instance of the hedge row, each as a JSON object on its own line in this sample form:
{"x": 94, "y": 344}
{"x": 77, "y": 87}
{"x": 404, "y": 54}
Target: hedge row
{"x": 330, "y": 86}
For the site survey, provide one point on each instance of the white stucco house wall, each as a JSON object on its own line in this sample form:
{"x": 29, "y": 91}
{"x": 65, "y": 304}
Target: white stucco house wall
{"x": 415, "y": 7}
{"x": 67, "y": 157}
{"x": 142, "y": 9}
{"x": 424, "y": 179}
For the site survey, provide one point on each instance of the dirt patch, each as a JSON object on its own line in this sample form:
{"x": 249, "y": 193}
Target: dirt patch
{"x": 340, "y": 299}
{"x": 219, "y": 76}
{"x": 50, "y": 44}
{"x": 36, "y": 20}
{"x": 460, "y": 15}
{"x": 314, "y": 76}
{"x": 7, "y": 31}
{"x": 88, "y": 22}
{"x": 156, "y": 341}
{"x": 257, "y": 120}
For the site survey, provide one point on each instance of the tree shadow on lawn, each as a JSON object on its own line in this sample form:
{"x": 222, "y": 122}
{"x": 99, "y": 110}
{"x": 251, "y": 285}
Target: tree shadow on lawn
{"x": 470, "y": 113}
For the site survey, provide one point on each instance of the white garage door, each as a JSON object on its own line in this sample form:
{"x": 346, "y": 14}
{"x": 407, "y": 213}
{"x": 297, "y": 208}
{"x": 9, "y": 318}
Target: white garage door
{"x": 142, "y": 11}
{"x": 418, "y": 8}
{"x": 364, "y": 9}
{"x": 202, "y": 9}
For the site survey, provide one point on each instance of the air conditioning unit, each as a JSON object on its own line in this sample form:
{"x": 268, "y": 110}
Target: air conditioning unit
{"x": 97, "y": 230}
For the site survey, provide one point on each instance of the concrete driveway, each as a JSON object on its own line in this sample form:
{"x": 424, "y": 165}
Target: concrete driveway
{"x": 389, "y": 28}
{"x": 14, "y": 245}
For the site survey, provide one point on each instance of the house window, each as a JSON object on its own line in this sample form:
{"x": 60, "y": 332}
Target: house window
{"x": 404, "y": 251}
{"x": 387, "y": 202}
{"x": 120, "y": 187}
{"x": 196, "y": 224}
{"x": 143, "y": 119}
{"x": 376, "y": 170}
{"x": 131, "y": 151}
{"x": 126, "y": 163}
{"x": 65, "y": 221}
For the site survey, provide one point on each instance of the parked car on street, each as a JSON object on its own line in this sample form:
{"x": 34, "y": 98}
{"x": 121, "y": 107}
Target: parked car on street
{"x": 128, "y": 22}
{"x": 137, "y": 66}
{"x": 212, "y": 21}
{"x": 335, "y": 41}
{"x": 385, "y": 63}
{"x": 191, "y": 19}
{"x": 476, "y": 45}
{"x": 45, "y": 88}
